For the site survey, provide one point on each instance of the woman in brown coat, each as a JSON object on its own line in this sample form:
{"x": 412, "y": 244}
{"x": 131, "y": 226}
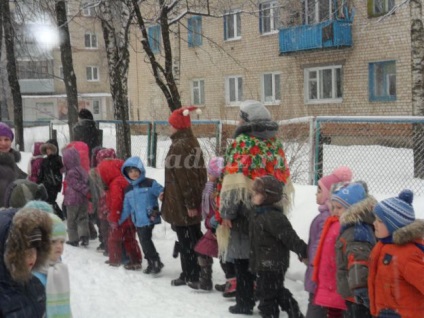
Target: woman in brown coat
{"x": 185, "y": 178}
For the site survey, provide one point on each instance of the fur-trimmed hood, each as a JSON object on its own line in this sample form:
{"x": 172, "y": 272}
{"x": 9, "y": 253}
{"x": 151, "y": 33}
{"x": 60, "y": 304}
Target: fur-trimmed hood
{"x": 410, "y": 233}
{"x": 13, "y": 251}
{"x": 359, "y": 212}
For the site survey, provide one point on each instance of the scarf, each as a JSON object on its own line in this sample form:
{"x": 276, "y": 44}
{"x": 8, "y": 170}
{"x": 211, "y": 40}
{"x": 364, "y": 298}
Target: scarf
{"x": 58, "y": 292}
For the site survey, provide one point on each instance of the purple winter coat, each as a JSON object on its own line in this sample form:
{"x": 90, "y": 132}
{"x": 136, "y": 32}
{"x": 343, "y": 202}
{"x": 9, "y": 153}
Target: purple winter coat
{"x": 35, "y": 162}
{"x": 314, "y": 236}
{"x": 76, "y": 179}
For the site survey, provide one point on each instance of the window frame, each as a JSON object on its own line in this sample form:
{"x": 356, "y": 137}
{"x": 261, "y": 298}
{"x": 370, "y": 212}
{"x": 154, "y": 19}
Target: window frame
{"x": 201, "y": 91}
{"x": 154, "y": 43}
{"x": 239, "y": 98}
{"x": 91, "y": 36}
{"x": 236, "y": 16}
{"x": 274, "y": 101}
{"x": 386, "y": 82}
{"x": 386, "y": 9}
{"x": 320, "y": 100}
{"x": 194, "y": 31}
{"x": 92, "y": 67}
{"x": 87, "y": 9}
{"x": 274, "y": 6}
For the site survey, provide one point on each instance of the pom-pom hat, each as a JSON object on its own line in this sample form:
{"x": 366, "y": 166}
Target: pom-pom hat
{"x": 340, "y": 174}
{"x": 5, "y": 131}
{"x": 180, "y": 118}
{"x": 396, "y": 212}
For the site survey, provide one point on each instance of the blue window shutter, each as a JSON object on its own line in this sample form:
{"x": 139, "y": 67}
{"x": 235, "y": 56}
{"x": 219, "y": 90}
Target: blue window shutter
{"x": 190, "y": 32}
{"x": 199, "y": 37}
{"x": 225, "y": 27}
{"x": 154, "y": 38}
{"x": 260, "y": 18}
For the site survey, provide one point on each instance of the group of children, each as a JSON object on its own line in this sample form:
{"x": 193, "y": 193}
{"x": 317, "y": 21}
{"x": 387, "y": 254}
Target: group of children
{"x": 362, "y": 256}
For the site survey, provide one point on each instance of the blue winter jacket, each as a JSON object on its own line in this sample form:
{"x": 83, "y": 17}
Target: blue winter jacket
{"x": 141, "y": 196}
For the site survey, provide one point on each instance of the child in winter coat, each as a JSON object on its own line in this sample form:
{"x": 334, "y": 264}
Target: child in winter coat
{"x": 50, "y": 173}
{"x": 354, "y": 246}
{"x": 271, "y": 239}
{"x": 395, "y": 280}
{"x": 24, "y": 244}
{"x": 141, "y": 204}
{"x": 35, "y": 162}
{"x": 75, "y": 198}
{"x": 54, "y": 274}
{"x": 124, "y": 232}
{"x": 207, "y": 246}
{"x": 340, "y": 174}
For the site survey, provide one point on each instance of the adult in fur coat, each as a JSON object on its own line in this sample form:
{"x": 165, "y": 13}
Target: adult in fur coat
{"x": 395, "y": 281}
{"x": 21, "y": 294}
{"x": 256, "y": 151}
{"x": 185, "y": 178}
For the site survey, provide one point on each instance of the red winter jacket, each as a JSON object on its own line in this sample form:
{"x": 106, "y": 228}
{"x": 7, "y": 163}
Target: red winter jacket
{"x": 110, "y": 172}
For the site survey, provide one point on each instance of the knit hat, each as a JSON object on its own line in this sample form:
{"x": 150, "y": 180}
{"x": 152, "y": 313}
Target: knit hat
{"x": 252, "y": 110}
{"x": 340, "y": 174}
{"x": 349, "y": 194}
{"x": 22, "y": 191}
{"x": 270, "y": 188}
{"x": 396, "y": 212}
{"x": 180, "y": 118}
{"x": 58, "y": 229}
{"x": 85, "y": 114}
{"x": 5, "y": 131}
{"x": 39, "y": 205}
{"x": 107, "y": 153}
{"x": 216, "y": 166}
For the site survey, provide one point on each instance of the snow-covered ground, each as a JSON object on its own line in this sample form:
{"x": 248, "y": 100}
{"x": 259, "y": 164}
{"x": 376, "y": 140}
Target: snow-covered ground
{"x": 98, "y": 290}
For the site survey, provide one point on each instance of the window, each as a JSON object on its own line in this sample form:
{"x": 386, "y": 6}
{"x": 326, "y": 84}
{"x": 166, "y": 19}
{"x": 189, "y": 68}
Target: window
{"x": 35, "y": 69}
{"x": 194, "y": 25}
{"x": 269, "y": 17}
{"x": 88, "y": 8}
{"x": 154, "y": 38}
{"x": 90, "y": 40}
{"x": 232, "y": 26}
{"x": 61, "y": 75}
{"x": 382, "y": 81}
{"x": 323, "y": 84}
{"x": 96, "y": 107}
{"x": 271, "y": 88}
{"x": 198, "y": 92}
{"x": 318, "y": 10}
{"x": 234, "y": 90}
{"x": 378, "y": 8}
{"x": 44, "y": 111}
{"x": 92, "y": 73}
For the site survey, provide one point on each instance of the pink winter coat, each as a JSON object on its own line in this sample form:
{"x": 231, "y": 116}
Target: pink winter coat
{"x": 325, "y": 267}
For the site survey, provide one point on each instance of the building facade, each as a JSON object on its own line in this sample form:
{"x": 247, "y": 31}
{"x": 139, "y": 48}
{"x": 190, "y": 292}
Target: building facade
{"x": 39, "y": 63}
{"x": 301, "y": 58}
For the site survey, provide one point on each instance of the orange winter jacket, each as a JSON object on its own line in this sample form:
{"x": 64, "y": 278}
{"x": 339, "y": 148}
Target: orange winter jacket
{"x": 396, "y": 279}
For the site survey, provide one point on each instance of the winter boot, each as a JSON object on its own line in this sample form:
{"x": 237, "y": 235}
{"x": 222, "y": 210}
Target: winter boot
{"x": 149, "y": 267}
{"x": 133, "y": 266}
{"x": 157, "y": 266}
{"x": 230, "y": 288}
{"x": 289, "y": 305}
{"x": 84, "y": 241}
{"x": 180, "y": 281}
{"x": 72, "y": 243}
{"x": 236, "y": 309}
{"x": 220, "y": 287}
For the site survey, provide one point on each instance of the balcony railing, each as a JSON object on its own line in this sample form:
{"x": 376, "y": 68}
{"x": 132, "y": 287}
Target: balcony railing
{"x": 327, "y": 34}
{"x": 37, "y": 85}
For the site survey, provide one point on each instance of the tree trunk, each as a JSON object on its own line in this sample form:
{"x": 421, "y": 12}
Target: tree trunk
{"x": 118, "y": 60}
{"x": 417, "y": 59}
{"x": 69, "y": 77}
{"x": 9, "y": 35}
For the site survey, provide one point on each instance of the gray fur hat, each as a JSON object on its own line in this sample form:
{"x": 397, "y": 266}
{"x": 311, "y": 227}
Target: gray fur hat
{"x": 252, "y": 110}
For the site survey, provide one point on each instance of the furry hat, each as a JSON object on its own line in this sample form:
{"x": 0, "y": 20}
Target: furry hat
{"x": 49, "y": 144}
{"x": 180, "y": 118}
{"x": 396, "y": 212}
{"x": 252, "y": 110}
{"x": 21, "y": 191}
{"x": 270, "y": 188}
{"x": 26, "y": 224}
{"x": 340, "y": 174}
{"x": 5, "y": 131}
{"x": 85, "y": 114}
{"x": 349, "y": 194}
{"x": 216, "y": 166}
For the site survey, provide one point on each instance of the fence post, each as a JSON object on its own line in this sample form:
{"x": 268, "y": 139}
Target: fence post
{"x": 149, "y": 145}
{"x": 312, "y": 153}
{"x": 154, "y": 146}
{"x": 218, "y": 129}
{"x": 318, "y": 153}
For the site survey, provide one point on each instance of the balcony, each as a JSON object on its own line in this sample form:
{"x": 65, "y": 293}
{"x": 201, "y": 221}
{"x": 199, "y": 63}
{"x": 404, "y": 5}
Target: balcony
{"x": 37, "y": 86}
{"x": 327, "y": 34}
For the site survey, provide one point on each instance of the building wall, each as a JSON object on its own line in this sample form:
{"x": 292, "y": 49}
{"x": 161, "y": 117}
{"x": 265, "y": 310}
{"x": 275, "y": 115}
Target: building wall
{"x": 374, "y": 40}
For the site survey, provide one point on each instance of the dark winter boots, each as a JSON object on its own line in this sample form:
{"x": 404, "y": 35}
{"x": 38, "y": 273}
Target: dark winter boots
{"x": 205, "y": 279}
{"x": 153, "y": 267}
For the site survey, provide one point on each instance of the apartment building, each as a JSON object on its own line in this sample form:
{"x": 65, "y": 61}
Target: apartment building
{"x": 301, "y": 58}
{"x": 40, "y": 69}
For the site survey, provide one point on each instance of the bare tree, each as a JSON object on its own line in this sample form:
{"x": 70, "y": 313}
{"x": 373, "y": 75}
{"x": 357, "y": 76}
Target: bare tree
{"x": 116, "y": 18}
{"x": 9, "y": 36}
{"x": 69, "y": 77}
